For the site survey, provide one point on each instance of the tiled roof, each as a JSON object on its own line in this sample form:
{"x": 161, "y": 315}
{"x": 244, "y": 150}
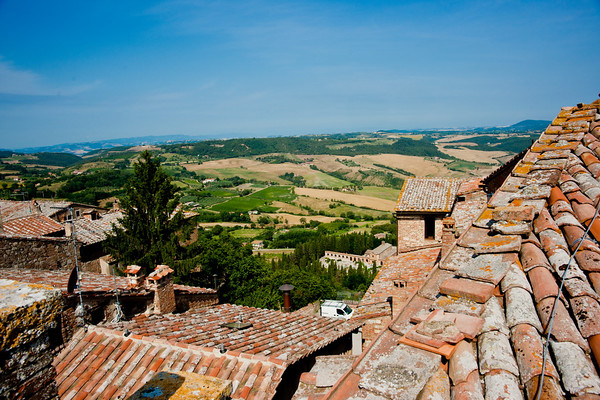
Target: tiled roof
{"x": 399, "y": 276}
{"x": 95, "y": 231}
{"x": 50, "y": 207}
{"x": 469, "y": 186}
{"x": 486, "y": 307}
{"x": 274, "y": 334}
{"x": 10, "y": 209}
{"x": 90, "y": 282}
{"x": 428, "y": 194}
{"x": 100, "y": 363}
{"x": 33, "y": 225}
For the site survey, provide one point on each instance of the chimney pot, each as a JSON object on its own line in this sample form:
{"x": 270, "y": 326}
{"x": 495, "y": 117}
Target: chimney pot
{"x": 287, "y": 302}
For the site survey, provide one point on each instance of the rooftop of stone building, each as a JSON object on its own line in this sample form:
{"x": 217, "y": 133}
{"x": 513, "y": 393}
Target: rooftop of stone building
{"x": 103, "y": 363}
{"x": 32, "y": 225}
{"x": 487, "y": 306}
{"x": 94, "y": 231}
{"x": 91, "y": 283}
{"x": 469, "y": 186}
{"x": 383, "y": 247}
{"x": 12, "y": 209}
{"x": 427, "y": 195}
{"x": 399, "y": 276}
{"x": 287, "y": 337}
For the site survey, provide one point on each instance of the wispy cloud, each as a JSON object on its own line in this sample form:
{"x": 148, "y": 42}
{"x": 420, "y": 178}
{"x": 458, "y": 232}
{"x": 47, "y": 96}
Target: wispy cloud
{"x": 14, "y": 81}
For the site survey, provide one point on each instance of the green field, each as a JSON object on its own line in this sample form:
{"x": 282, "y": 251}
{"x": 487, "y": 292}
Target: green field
{"x": 385, "y": 193}
{"x": 241, "y": 204}
{"x": 275, "y": 193}
{"x": 258, "y": 200}
{"x": 247, "y": 233}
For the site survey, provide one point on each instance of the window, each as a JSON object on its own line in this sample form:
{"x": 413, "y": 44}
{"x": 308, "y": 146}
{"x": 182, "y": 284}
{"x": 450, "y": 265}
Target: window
{"x": 429, "y": 227}
{"x": 340, "y": 312}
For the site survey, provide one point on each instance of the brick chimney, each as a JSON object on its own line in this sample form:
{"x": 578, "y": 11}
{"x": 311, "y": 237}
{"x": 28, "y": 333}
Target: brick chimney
{"x": 448, "y": 234}
{"x": 135, "y": 279}
{"x": 161, "y": 283}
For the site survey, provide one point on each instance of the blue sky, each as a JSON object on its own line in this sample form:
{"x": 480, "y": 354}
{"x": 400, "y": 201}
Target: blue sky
{"x": 74, "y": 71}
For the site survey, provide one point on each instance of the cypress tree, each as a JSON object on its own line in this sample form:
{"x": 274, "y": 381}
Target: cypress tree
{"x": 147, "y": 235}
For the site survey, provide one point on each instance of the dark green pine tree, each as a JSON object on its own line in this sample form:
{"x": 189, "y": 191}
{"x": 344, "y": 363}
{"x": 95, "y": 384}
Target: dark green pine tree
{"x": 149, "y": 229}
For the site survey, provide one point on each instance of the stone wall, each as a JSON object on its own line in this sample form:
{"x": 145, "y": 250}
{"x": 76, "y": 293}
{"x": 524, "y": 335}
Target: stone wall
{"x": 411, "y": 231}
{"x": 36, "y": 253}
{"x": 28, "y": 336}
{"x": 194, "y": 301}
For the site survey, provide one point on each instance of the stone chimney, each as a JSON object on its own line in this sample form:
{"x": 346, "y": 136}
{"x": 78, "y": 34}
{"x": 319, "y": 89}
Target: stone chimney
{"x": 69, "y": 228}
{"x": 448, "y": 234}
{"x": 161, "y": 283}
{"x": 135, "y": 279}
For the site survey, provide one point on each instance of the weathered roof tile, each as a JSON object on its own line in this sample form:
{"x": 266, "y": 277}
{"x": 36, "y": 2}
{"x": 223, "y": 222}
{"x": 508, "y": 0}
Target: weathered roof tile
{"x": 515, "y": 278}
{"x": 462, "y": 363}
{"x": 529, "y": 351}
{"x": 577, "y": 371}
{"x": 466, "y": 288}
{"x": 493, "y": 317}
{"x": 564, "y": 329}
{"x": 495, "y": 353}
{"x": 490, "y": 268}
{"x": 587, "y": 315}
{"x": 402, "y": 373}
{"x": 520, "y": 309}
{"x": 501, "y": 385}
{"x": 468, "y": 390}
{"x": 532, "y": 256}
{"x": 543, "y": 283}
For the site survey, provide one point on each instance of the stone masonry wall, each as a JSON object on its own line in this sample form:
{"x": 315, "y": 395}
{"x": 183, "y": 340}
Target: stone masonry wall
{"x": 36, "y": 253}
{"x": 28, "y": 335}
{"x": 195, "y": 301}
{"x": 411, "y": 232}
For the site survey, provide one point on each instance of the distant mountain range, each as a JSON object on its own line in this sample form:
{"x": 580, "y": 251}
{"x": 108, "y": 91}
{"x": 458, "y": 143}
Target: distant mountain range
{"x": 87, "y": 147}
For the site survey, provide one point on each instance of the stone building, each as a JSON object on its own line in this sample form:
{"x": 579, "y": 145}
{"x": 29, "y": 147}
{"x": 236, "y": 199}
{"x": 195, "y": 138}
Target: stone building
{"x": 51, "y": 235}
{"x": 421, "y": 206}
{"x": 372, "y": 257}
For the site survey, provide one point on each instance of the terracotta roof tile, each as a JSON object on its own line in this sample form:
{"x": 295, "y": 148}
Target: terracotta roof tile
{"x": 564, "y": 329}
{"x": 578, "y": 374}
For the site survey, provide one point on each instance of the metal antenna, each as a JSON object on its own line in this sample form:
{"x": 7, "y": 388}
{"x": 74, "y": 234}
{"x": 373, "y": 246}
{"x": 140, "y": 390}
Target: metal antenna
{"x": 79, "y": 311}
{"x": 76, "y": 260}
{"x": 119, "y": 311}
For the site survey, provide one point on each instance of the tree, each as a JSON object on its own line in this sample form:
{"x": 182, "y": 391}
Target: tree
{"x": 148, "y": 232}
